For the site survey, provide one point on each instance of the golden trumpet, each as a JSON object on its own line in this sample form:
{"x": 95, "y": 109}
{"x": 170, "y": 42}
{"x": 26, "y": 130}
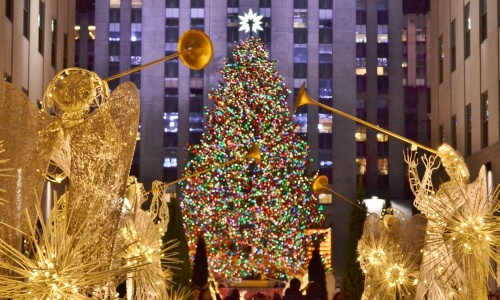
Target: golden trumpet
{"x": 252, "y": 153}
{"x": 320, "y": 185}
{"x": 303, "y": 99}
{"x": 194, "y": 48}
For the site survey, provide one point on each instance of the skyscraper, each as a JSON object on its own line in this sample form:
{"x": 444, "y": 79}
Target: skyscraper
{"x": 37, "y": 42}
{"x": 351, "y": 54}
{"x": 465, "y": 79}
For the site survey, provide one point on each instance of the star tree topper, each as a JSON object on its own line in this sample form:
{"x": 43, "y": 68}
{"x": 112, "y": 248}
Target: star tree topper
{"x": 250, "y": 22}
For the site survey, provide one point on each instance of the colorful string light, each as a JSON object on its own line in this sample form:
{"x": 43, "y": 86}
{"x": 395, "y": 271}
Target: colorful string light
{"x": 253, "y": 216}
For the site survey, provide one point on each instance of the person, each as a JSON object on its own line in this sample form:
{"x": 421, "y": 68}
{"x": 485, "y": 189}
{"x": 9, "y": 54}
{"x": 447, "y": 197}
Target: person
{"x": 293, "y": 292}
{"x": 196, "y": 294}
{"x": 313, "y": 291}
{"x": 276, "y": 296}
{"x": 235, "y": 295}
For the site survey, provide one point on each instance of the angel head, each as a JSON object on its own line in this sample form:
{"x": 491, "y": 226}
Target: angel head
{"x": 453, "y": 163}
{"x": 73, "y": 93}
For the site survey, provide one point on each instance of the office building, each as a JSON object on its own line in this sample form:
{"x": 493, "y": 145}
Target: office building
{"x": 37, "y": 42}
{"x": 465, "y": 78}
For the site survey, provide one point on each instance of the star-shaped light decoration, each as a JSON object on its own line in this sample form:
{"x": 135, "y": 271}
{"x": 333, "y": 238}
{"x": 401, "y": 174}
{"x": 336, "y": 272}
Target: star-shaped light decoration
{"x": 250, "y": 22}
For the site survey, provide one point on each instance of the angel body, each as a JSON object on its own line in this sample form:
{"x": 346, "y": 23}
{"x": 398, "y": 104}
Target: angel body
{"x": 79, "y": 133}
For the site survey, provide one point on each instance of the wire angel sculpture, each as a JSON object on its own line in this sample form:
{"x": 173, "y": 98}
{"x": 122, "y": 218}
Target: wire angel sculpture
{"x": 389, "y": 255}
{"x": 142, "y": 230}
{"x": 462, "y": 230}
{"x": 83, "y": 133}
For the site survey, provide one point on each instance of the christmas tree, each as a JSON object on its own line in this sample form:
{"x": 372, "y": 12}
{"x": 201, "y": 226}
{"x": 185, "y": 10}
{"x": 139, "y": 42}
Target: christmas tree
{"x": 253, "y": 215}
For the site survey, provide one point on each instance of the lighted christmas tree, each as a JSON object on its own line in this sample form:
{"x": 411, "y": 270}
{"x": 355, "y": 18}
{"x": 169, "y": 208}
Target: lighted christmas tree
{"x": 253, "y": 215}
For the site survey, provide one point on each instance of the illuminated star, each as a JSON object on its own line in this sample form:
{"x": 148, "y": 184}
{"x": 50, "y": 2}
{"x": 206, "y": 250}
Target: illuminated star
{"x": 250, "y": 22}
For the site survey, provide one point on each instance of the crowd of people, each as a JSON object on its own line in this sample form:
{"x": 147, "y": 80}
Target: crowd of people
{"x": 294, "y": 292}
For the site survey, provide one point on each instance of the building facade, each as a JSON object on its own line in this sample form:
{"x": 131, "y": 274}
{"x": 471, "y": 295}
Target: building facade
{"x": 37, "y": 42}
{"x": 355, "y": 56}
{"x": 465, "y": 80}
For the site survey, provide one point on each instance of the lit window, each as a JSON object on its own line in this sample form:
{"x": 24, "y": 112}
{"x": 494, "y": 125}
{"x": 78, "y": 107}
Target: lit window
{"x": 325, "y": 198}
{"x": 360, "y": 134}
{"x": 383, "y": 166}
{"x": 382, "y": 137}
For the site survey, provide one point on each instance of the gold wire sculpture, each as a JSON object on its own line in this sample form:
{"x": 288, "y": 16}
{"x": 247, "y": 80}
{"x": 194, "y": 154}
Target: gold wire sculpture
{"x": 54, "y": 264}
{"x": 389, "y": 261}
{"x": 462, "y": 232}
{"x": 143, "y": 230}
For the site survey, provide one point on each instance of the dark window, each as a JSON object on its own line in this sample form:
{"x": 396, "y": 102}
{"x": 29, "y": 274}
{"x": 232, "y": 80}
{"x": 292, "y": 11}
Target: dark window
{"x": 171, "y": 103}
{"x": 382, "y": 149}
{"x": 135, "y": 49}
{"x": 170, "y": 139}
{"x": 325, "y": 141}
{"x": 41, "y": 27}
{"x": 26, "y": 18}
{"x": 136, "y": 15}
{"x": 114, "y": 15}
{"x": 195, "y": 137}
{"x": 53, "y": 46}
{"x": 172, "y": 22}
{"x": 171, "y": 34}
{"x": 484, "y": 19}
{"x": 454, "y": 131}
{"x": 233, "y": 3}
{"x": 325, "y": 4}
{"x": 171, "y": 69}
{"x": 172, "y": 4}
{"x": 382, "y": 17}
{"x": 114, "y": 48}
{"x": 360, "y": 49}
{"x": 383, "y": 84}
{"x": 196, "y": 104}
{"x": 300, "y": 35}
{"x": 467, "y": 28}
{"x": 325, "y": 70}
{"x": 382, "y": 49}
{"x": 360, "y": 17}
{"x": 453, "y": 46}
{"x": 9, "y": 9}
{"x": 232, "y": 34}
{"x": 361, "y": 83}
{"x": 441, "y": 133}
{"x": 197, "y": 3}
{"x": 265, "y": 35}
{"x": 441, "y": 58}
{"x": 300, "y": 4}
{"x": 484, "y": 119}
{"x": 468, "y": 130}
{"x": 136, "y": 79}
{"x": 197, "y": 23}
{"x": 265, "y": 3}
{"x": 325, "y": 32}
{"x": 65, "y": 51}
{"x": 299, "y": 70}
{"x": 169, "y": 174}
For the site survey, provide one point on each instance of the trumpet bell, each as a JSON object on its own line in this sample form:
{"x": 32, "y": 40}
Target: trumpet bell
{"x": 254, "y": 153}
{"x": 320, "y": 184}
{"x": 302, "y": 98}
{"x": 200, "y": 49}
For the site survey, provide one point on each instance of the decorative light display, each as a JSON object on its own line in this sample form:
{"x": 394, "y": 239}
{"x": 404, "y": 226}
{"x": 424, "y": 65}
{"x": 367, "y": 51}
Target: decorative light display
{"x": 57, "y": 265}
{"x": 250, "y": 22}
{"x": 462, "y": 232}
{"x": 253, "y": 216}
{"x": 391, "y": 272}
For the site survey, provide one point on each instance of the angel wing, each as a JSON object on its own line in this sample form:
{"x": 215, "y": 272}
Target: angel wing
{"x": 28, "y": 157}
{"x": 102, "y": 148}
